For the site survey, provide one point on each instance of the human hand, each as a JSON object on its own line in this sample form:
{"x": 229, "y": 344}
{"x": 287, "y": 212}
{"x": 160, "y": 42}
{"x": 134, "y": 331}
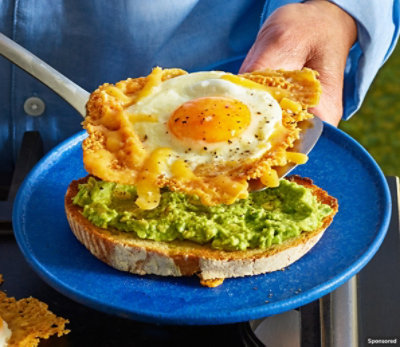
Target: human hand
{"x": 315, "y": 34}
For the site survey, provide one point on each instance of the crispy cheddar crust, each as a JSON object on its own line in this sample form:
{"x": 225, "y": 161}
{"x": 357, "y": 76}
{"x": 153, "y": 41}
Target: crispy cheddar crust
{"x": 29, "y": 321}
{"x": 126, "y": 252}
{"x": 113, "y": 152}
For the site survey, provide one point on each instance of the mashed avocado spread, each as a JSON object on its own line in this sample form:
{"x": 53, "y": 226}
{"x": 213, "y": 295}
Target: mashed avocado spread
{"x": 266, "y": 217}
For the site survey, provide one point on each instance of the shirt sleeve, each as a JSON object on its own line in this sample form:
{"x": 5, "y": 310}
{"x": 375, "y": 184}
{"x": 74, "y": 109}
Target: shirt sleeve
{"x": 378, "y": 25}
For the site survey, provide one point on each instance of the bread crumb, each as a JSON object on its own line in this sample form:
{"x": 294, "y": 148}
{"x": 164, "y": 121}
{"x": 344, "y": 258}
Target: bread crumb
{"x": 215, "y": 282}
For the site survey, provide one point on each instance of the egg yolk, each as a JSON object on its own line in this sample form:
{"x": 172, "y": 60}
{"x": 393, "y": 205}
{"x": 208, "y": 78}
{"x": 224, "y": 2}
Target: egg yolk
{"x": 210, "y": 119}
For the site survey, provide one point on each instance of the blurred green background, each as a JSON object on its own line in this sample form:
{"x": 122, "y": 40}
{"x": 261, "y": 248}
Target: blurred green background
{"x": 377, "y": 124}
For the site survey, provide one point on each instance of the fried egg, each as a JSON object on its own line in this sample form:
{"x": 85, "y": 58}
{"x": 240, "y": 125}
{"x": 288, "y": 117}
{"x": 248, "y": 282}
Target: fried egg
{"x": 205, "y": 133}
{"x": 204, "y": 118}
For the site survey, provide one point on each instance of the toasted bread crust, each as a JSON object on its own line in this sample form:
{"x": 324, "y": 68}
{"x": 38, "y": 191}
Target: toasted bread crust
{"x": 126, "y": 252}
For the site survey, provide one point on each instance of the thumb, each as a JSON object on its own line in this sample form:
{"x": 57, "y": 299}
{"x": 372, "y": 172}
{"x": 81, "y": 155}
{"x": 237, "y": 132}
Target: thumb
{"x": 274, "y": 50}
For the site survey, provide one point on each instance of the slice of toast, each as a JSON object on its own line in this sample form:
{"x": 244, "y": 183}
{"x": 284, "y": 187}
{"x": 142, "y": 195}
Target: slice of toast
{"x": 127, "y": 252}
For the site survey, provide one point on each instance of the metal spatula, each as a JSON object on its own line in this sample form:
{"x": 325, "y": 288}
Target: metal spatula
{"x": 76, "y": 96}
{"x": 311, "y": 130}
{"x": 309, "y": 135}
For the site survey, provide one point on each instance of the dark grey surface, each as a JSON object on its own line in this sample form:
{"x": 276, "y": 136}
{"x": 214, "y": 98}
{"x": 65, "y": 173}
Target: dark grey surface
{"x": 379, "y": 284}
{"x": 93, "y": 328}
{"x": 89, "y": 327}
{"x": 378, "y": 288}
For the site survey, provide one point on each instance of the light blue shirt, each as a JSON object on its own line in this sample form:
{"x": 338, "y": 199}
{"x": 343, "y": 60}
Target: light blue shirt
{"x": 93, "y": 42}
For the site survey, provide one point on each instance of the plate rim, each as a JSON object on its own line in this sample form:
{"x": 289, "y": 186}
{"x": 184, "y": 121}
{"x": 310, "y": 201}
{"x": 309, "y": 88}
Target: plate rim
{"x": 225, "y": 317}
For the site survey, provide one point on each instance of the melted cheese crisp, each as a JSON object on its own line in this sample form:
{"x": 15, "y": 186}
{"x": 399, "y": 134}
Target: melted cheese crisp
{"x": 147, "y": 185}
{"x": 205, "y": 133}
{"x": 153, "y": 80}
{"x": 29, "y": 321}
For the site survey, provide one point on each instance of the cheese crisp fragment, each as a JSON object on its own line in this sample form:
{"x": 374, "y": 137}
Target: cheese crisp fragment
{"x": 29, "y": 321}
{"x": 116, "y": 149}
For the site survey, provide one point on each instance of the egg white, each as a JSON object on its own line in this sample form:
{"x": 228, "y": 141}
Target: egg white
{"x": 165, "y": 98}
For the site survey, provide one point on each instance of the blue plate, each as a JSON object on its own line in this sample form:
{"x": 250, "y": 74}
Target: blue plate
{"x": 338, "y": 164}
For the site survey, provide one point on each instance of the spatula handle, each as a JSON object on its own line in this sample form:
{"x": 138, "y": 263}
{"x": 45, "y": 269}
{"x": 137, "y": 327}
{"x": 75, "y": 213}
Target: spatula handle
{"x": 76, "y": 96}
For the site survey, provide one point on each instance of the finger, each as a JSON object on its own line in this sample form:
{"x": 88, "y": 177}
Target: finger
{"x": 277, "y": 46}
{"x": 330, "y": 107}
{"x": 328, "y": 112}
{"x": 266, "y": 53}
